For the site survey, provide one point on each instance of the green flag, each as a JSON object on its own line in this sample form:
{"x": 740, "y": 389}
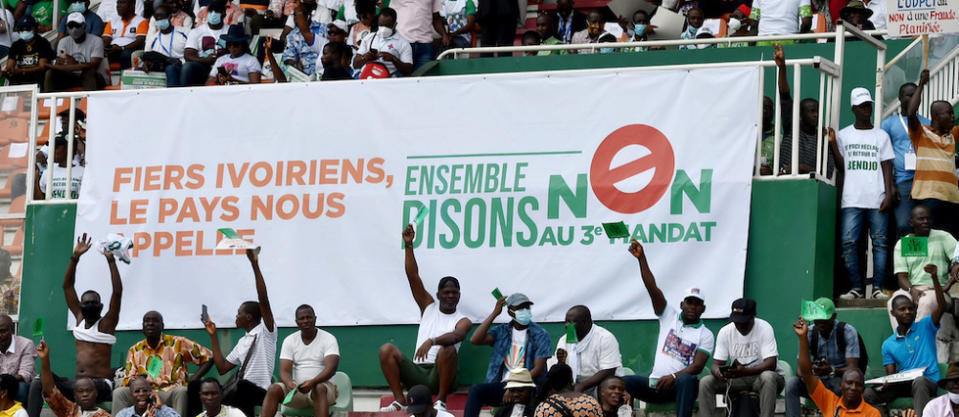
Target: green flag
{"x": 421, "y": 215}
{"x": 812, "y": 311}
{"x": 229, "y": 233}
{"x": 497, "y": 294}
{"x": 154, "y": 365}
{"x": 915, "y": 246}
{"x": 289, "y": 396}
{"x": 39, "y": 325}
{"x": 571, "y": 334}
{"x": 616, "y": 230}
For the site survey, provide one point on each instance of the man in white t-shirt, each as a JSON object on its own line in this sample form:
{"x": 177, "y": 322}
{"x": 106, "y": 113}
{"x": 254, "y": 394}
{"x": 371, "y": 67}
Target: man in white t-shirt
{"x": 256, "y": 318}
{"x": 865, "y": 153}
{"x": 203, "y": 47}
{"x": 59, "y": 172}
{"x": 386, "y": 47}
{"x": 745, "y": 360}
{"x": 780, "y": 17}
{"x": 442, "y": 329}
{"x": 593, "y": 357}
{"x": 682, "y": 350}
{"x": 308, "y": 361}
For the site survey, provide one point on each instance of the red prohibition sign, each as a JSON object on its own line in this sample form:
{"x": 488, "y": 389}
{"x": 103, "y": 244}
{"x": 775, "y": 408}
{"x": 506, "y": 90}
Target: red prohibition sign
{"x": 661, "y": 159}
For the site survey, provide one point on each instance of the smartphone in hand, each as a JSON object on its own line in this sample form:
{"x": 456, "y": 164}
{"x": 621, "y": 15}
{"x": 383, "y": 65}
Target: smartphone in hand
{"x": 204, "y": 316}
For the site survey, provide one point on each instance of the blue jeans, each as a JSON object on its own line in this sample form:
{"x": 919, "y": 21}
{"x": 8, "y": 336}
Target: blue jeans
{"x": 490, "y": 393}
{"x": 796, "y": 388}
{"x": 173, "y": 75}
{"x": 683, "y": 392}
{"x": 194, "y": 73}
{"x": 422, "y": 53}
{"x": 904, "y": 208}
{"x": 852, "y": 223}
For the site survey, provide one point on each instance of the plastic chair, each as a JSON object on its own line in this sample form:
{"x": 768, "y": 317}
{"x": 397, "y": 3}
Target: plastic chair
{"x": 344, "y": 398}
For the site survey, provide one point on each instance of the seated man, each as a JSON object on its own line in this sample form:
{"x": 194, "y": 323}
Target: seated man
{"x": 835, "y": 349}
{"x": 9, "y": 389}
{"x": 28, "y": 56}
{"x": 202, "y": 49}
{"x": 849, "y": 401}
{"x": 79, "y": 61}
{"x": 683, "y": 348}
{"x": 442, "y": 329}
{"x": 308, "y": 360}
{"x": 94, "y": 25}
{"x": 84, "y": 391}
{"x": 912, "y": 346}
{"x": 175, "y": 352}
{"x": 145, "y": 401}
{"x": 386, "y": 47}
{"x": 305, "y": 43}
{"x": 519, "y": 344}
{"x": 211, "y": 395}
{"x": 595, "y": 28}
{"x": 164, "y": 47}
{"x": 124, "y": 34}
{"x": 17, "y": 355}
{"x": 594, "y": 357}
{"x": 946, "y": 405}
{"x": 748, "y": 347}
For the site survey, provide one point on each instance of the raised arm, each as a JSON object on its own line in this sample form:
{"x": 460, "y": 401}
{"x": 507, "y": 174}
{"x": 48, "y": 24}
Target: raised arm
{"x": 659, "y": 301}
{"x": 222, "y": 366}
{"x": 261, "y": 296}
{"x": 481, "y": 335}
{"x": 69, "y": 281}
{"x": 112, "y": 317}
{"x": 912, "y": 109}
{"x": 46, "y": 374}
{"x": 780, "y": 57}
{"x": 940, "y": 298}
{"x": 423, "y": 298}
{"x": 804, "y": 364}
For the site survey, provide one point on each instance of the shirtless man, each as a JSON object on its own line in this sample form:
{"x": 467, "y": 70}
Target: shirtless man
{"x": 94, "y": 334}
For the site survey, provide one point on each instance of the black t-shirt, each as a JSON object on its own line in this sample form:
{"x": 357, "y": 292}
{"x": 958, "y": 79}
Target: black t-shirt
{"x": 28, "y": 55}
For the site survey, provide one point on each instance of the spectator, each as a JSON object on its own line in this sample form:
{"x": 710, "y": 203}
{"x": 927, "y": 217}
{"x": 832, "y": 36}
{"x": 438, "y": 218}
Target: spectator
{"x": 694, "y": 22}
{"x": 561, "y": 400}
{"x": 41, "y": 10}
{"x": 94, "y": 340}
{"x": 337, "y": 31}
{"x": 79, "y": 61}
{"x": 808, "y": 124}
{"x": 10, "y": 284}
{"x": 366, "y": 12}
{"x": 531, "y": 38}
{"x": 256, "y": 318}
{"x": 594, "y": 30}
{"x": 780, "y": 17}
{"x": 165, "y": 47}
{"x": 108, "y": 9}
{"x": 9, "y": 390}
{"x": 308, "y": 360}
{"x": 94, "y": 25}
{"x": 519, "y": 344}
{"x": 7, "y": 34}
{"x": 336, "y": 62}
{"x": 230, "y": 14}
{"x": 386, "y": 47}
{"x": 60, "y": 173}
{"x": 413, "y": 22}
{"x": 145, "y": 401}
{"x": 910, "y": 272}
{"x": 546, "y": 27}
{"x": 29, "y": 56}
{"x": 896, "y": 126}
{"x": 946, "y": 405}
{"x": 305, "y": 44}
{"x": 84, "y": 390}
{"x": 497, "y": 20}
{"x": 683, "y": 347}
{"x": 737, "y": 26}
{"x": 594, "y": 357}
{"x": 442, "y": 329}
{"x": 857, "y": 15}
{"x": 613, "y": 398}
{"x": 124, "y": 34}
{"x": 745, "y": 360}
{"x": 17, "y": 357}
{"x": 935, "y": 183}
{"x": 568, "y": 21}
{"x": 834, "y": 346}
{"x": 460, "y": 18}
{"x": 211, "y": 395}
{"x": 766, "y": 156}
{"x": 878, "y": 18}
{"x": 867, "y": 193}
{"x": 520, "y": 395}
{"x": 419, "y": 403}
{"x": 178, "y": 18}
{"x": 202, "y": 48}
{"x": 849, "y": 400}
{"x": 911, "y": 346}
{"x": 175, "y": 352}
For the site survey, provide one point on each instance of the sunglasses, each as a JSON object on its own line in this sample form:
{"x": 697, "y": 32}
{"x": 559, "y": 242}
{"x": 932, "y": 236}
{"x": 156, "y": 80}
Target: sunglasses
{"x": 74, "y": 25}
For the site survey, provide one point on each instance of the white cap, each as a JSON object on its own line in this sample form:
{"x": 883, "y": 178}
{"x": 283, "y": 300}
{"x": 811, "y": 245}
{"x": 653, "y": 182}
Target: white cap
{"x": 860, "y": 95}
{"x": 341, "y": 24}
{"x": 76, "y": 17}
{"x": 695, "y": 292}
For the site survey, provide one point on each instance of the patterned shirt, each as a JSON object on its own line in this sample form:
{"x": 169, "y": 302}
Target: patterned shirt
{"x": 152, "y": 411}
{"x": 538, "y": 346}
{"x": 10, "y": 288}
{"x": 297, "y": 49}
{"x": 18, "y": 358}
{"x": 63, "y": 407}
{"x": 175, "y": 352}
{"x": 581, "y": 405}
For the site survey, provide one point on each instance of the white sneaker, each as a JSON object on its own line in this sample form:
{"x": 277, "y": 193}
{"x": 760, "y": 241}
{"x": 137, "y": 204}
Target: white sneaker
{"x": 396, "y": 406}
{"x": 439, "y": 405}
{"x": 879, "y": 295}
{"x": 851, "y": 295}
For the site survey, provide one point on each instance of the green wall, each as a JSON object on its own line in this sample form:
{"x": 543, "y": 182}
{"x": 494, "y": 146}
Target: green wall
{"x": 790, "y": 257}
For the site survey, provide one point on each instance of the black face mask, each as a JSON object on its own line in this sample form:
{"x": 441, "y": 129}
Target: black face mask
{"x": 91, "y": 312}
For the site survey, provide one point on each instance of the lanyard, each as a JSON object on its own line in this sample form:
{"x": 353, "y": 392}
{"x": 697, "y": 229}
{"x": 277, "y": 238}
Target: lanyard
{"x": 567, "y": 28}
{"x": 169, "y": 52}
{"x": 906, "y": 128}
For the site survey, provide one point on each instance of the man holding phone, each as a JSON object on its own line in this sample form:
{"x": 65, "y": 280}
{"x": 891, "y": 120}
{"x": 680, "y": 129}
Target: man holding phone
{"x": 145, "y": 401}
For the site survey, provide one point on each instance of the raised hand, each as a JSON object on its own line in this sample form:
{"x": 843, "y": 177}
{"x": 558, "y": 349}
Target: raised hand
{"x": 779, "y": 56}
{"x": 210, "y": 327}
{"x": 43, "y": 351}
{"x": 498, "y": 308}
{"x": 252, "y": 255}
{"x": 83, "y": 245}
{"x": 636, "y": 249}
{"x": 932, "y": 270}
{"x": 801, "y": 327}
{"x": 409, "y": 233}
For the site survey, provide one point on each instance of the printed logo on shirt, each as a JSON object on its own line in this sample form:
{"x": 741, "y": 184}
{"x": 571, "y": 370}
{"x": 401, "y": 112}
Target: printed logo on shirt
{"x": 860, "y": 156}
{"x": 745, "y": 350}
{"x": 677, "y": 349}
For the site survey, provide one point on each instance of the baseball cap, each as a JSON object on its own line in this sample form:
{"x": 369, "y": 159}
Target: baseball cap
{"x": 695, "y": 292}
{"x": 517, "y": 299}
{"x": 743, "y": 310}
{"x": 341, "y": 25}
{"x": 519, "y": 378}
{"x": 860, "y": 95}
{"x": 827, "y": 305}
{"x": 26, "y": 22}
{"x": 76, "y": 18}
{"x": 418, "y": 399}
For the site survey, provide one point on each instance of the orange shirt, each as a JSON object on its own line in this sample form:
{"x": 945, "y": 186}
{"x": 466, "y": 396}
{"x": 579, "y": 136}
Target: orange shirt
{"x": 123, "y": 32}
{"x": 827, "y": 403}
{"x": 935, "y": 164}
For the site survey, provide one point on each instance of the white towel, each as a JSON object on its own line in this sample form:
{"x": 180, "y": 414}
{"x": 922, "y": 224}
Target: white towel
{"x": 574, "y": 349}
{"x": 120, "y": 247}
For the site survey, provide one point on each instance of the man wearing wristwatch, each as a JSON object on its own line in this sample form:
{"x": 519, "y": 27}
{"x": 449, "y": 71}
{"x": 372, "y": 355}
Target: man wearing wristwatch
{"x": 442, "y": 329}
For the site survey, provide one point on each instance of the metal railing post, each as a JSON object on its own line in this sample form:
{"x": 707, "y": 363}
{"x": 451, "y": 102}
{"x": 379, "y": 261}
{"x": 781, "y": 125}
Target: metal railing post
{"x": 52, "y": 147}
{"x": 880, "y": 73}
{"x": 68, "y": 194}
{"x": 836, "y": 96}
{"x": 759, "y": 130}
{"x": 797, "y": 88}
{"x": 32, "y": 146}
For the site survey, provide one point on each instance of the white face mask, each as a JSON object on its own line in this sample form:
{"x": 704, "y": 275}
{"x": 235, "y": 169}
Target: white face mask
{"x": 953, "y": 397}
{"x": 384, "y": 32}
{"x": 734, "y": 24}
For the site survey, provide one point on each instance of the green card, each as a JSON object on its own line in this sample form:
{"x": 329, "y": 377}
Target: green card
{"x": 39, "y": 325}
{"x": 154, "y": 365}
{"x": 421, "y": 215}
{"x": 616, "y": 230}
{"x": 571, "y": 334}
{"x": 497, "y": 294}
{"x": 915, "y": 246}
{"x": 289, "y": 396}
{"x": 812, "y": 311}
{"x": 229, "y": 233}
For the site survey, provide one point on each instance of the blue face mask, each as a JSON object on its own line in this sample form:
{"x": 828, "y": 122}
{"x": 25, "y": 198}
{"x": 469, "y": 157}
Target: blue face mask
{"x": 524, "y": 316}
{"x": 214, "y": 18}
{"x": 639, "y": 29}
{"x": 26, "y": 35}
{"x": 605, "y": 50}
{"x": 78, "y": 7}
{"x": 163, "y": 24}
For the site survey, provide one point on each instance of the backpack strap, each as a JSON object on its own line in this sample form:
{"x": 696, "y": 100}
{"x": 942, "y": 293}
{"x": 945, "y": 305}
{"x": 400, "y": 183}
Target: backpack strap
{"x": 841, "y": 337}
{"x": 559, "y": 406}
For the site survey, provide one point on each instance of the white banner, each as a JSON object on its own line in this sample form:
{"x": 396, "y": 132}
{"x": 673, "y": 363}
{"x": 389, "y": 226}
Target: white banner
{"x": 518, "y": 172}
{"x": 921, "y": 17}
